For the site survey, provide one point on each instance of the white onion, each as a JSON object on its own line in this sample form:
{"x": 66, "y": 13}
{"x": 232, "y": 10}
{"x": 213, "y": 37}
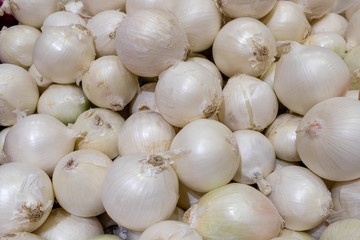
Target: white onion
{"x": 41, "y": 140}
{"x": 95, "y": 6}
{"x": 201, "y": 20}
{"x": 353, "y": 94}
{"x": 187, "y": 196}
{"x": 287, "y": 21}
{"x": 340, "y": 6}
{"x": 330, "y": 22}
{"x": 77, "y": 7}
{"x": 17, "y": 44}
{"x": 148, "y": 41}
{"x": 208, "y": 64}
{"x": 62, "y": 225}
{"x": 282, "y": 134}
{"x": 352, "y": 10}
{"x": 315, "y": 9}
{"x": 269, "y": 76}
{"x": 62, "y": 18}
{"x": 145, "y": 99}
{"x": 352, "y": 34}
{"x": 300, "y": 196}
{"x": 352, "y": 60}
{"x": 26, "y": 197}
{"x": 30, "y": 12}
{"x": 20, "y": 236}
{"x": 170, "y": 230}
{"x": 249, "y": 103}
{"x": 18, "y": 92}
{"x": 77, "y": 182}
{"x": 244, "y": 40}
{"x": 42, "y": 83}
{"x": 329, "y": 40}
{"x": 246, "y": 8}
{"x": 210, "y": 155}
{"x": 103, "y": 27}
{"x": 306, "y": 75}
{"x": 64, "y": 102}
{"x": 102, "y": 127}
{"x": 343, "y": 229}
{"x": 295, "y": 235}
{"x": 282, "y": 163}
{"x": 187, "y": 91}
{"x": 140, "y": 190}
{"x": 133, "y": 5}
{"x": 3, "y": 134}
{"x": 234, "y": 212}
{"x": 76, "y": 46}
{"x": 328, "y": 136}
{"x": 145, "y": 131}
{"x": 256, "y": 163}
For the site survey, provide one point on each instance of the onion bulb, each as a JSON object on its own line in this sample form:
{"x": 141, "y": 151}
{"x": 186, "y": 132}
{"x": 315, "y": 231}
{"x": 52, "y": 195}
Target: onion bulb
{"x": 41, "y": 140}
{"x": 244, "y": 40}
{"x": 352, "y": 34}
{"x": 295, "y": 235}
{"x": 18, "y": 92}
{"x": 170, "y": 230}
{"x": 26, "y": 197}
{"x": 352, "y": 10}
{"x": 187, "y": 91}
{"x": 17, "y": 44}
{"x": 20, "y": 236}
{"x": 352, "y": 60}
{"x": 94, "y": 6}
{"x": 210, "y": 155}
{"x": 329, "y": 40}
{"x": 75, "y": 43}
{"x": 343, "y": 229}
{"x": 63, "y": 225}
{"x": 148, "y": 41}
{"x": 77, "y": 7}
{"x": 216, "y": 214}
{"x": 3, "y": 134}
{"x": 77, "y": 176}
{"x": 133, "y": 5}
{"x": 330, "y": 22}
{"x": 340, "y": 6}
{"x": 269, "y": 76}
{"x": 144, "y": 99}
{"x": 328, "y": 136}
{"x": 202, "y": 60}
{"x": 307, "y": 202}
{"x": 246, "y": 8}
{"x": 315, "y": 9}
{"x": 307, "y": 75}
{"x": 103, "y": 127}
{"x": 62, "y": 18}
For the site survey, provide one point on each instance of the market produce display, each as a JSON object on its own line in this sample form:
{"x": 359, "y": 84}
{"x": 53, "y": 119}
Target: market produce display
{"x": 179, "y": 119}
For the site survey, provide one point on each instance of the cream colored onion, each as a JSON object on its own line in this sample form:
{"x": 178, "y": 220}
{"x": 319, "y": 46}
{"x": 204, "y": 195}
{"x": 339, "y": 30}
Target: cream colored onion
{"x": 103, "y": 27}
{"x": 287, "y": 21}
{"x": 352, "y": 10}
{"x": 244, "y": 40}
{"x": 18, "y": 92}
{"x": 40, "y": 81}
{"x": 63, "y": 225}
{"x": 201, "y": 20}
{"x": 246, "y": 8}
{"x": 234, "y": 212}
{"x": 295, "y": 235}
{"x": 140, "y": 190}
{"x": 62, "y": 18}
{"x": 315, "y": 9}
{"x": 17, "y": 44}
{"x": 330, "y": 22}
{"x": 256, "y": 163}
{"x": 41, "y": 140}
{"x": 353, "y": 93}
{"x": 76, "y": 46}
{"x": 148, "y": 41}
{"x": 133, "y": 5}
{"x": 352, "y": 60}
{"x": 341, "y": 6}
{"x": 64, "y": 102}
{"x": 108, "y": 84}
{"x": 95, "y": 6}
{"x": 210, "y": 155}
{"x": 102, "y": 127}
{"x": 329, "y": 40}
{"x": 170, "y": 230}
{"x": 30, "y": 12}
{"x": 343, "y": 229}
{"x": 307, "y": 75}
{"x": 209, "y": 65}
{"x": 319, "y": 134}
{"x": 249, "y": 103}
{"x": 187, "y": 91}
{"x": 269, "y": 76}
{"x": 352, "y": 34}
{"x": 300, "y": 196}
{"x": 145, "y": 131}
{"x": 282, "y": 163}
{"x": 77, "y": 182}
{"x": 187, "y": 196}
{"x": 20, "y": 236}
{"x": 26, "y": 197}
{"x": 144, "y": 99}
{"x": 282, "y": 135}
{"x": 77, "y": 7}
{"x": 3, "y": 134}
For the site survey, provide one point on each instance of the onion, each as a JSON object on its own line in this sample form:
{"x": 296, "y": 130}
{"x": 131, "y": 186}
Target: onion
{"x": 94, "y": 6}
{"x": 352, "y": 61}
{"x": 340, "y": 6}
{"x": 281, "y": 163}
{"x": 269, "y": 76}
{"x": 294, "y": 235}
{"x": 63, "y": 225}
{"x": 330, "y": 22}
{"x": 246, "y": 8}
{"x": 329, "y": 40}
{"x": 26, "y": 197}
{"x": 244, "y": 40}
{"x": 62, "y": 18}
{"x": 353, "y": 93}
{"x": 352, "y": 10}
{"x": 20, "y": 236}
{"x": 148, "y": 41}
{"x": 315, "y": 9}
{"x": 77, "y": 7}
{"x": 133, "y": 5}
{"x": 307, "y": 202}
{"x": 343, "y": 229}
{"x": 3, "y": 134}
{"x": 41, "y": 140}
{"x": 318, "y": 134}
{"x": 203, "y": 61}
{"x": 145, "y": 99}
{"x": 234, "y": 212}
{"x": 352, "y": 32}
{"x": 18, "y": 92}
{"x": 307, "y": 75}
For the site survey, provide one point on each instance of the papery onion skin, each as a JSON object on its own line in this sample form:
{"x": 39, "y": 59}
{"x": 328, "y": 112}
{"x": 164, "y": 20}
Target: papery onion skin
{"x": 343, "y": 229}
{"x": 329, "y": 40}
{"x": 95, "y": 6}
{"x": 148, "y": 41}
{"x": 20, "y": 236}
{"x": 328, "y": 137}
{"x": 352, "y": 32}
{"x": 62, "y": 18}
{"x": 238, "y": 211}
{"x": 26, "y": 197}
{"x": 3, "y": 134}
{"x": 246, "y": 8}
{"x": 244, "y": 40}
{"x": 330, "y": 22}
{"x": 133, "y": 5}
{"x": 351, "y": 59}
{"x": 315, "y": 9}
{"x": 144, "y": 99}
